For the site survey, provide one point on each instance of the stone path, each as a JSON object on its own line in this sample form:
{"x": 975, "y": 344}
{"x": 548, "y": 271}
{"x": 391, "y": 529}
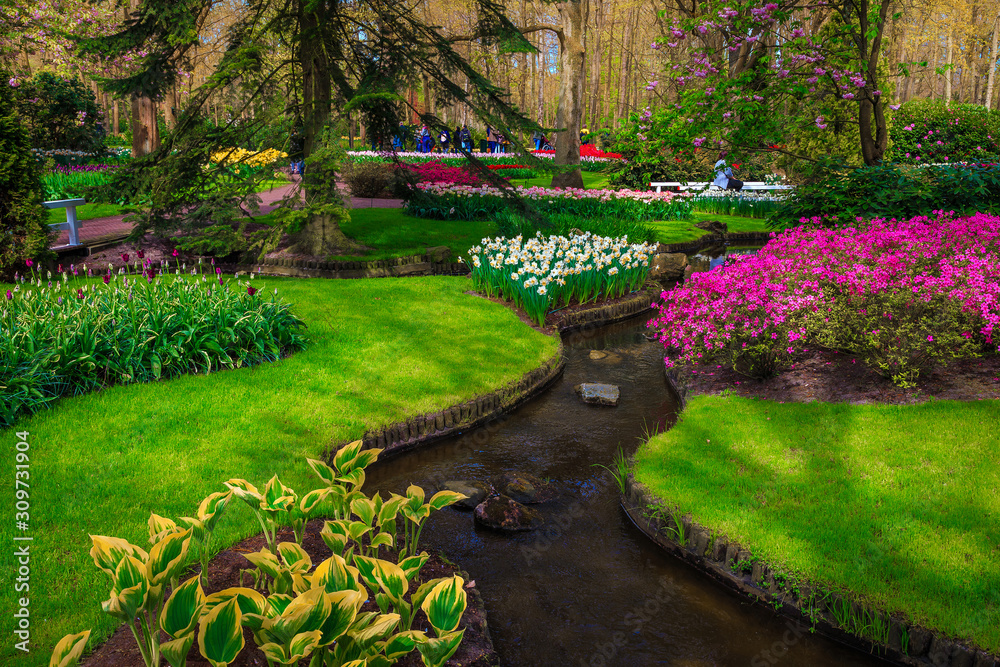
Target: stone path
{"x": 113, "y": 227}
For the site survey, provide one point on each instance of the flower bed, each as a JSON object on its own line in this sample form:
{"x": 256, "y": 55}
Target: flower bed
{"x": 899, "y": 295}
{"x": 745, "y": 203}
{"x": 71, "y": 335}
{"x": 586, "y": 151}
{"x": 587, "y": 163}
{"x": 68, "y": 182}
{"x": 451, "y": 202}
{"x": 437, "y": 172}
{"x": 542, "y": 273}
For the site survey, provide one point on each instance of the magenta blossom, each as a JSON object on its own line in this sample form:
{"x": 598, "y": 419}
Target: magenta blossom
{"x": 29, "y": 263}
{"x": 250, "y": 290}
{"x": 125, "y": 257}
{"x": 10, "y": 295}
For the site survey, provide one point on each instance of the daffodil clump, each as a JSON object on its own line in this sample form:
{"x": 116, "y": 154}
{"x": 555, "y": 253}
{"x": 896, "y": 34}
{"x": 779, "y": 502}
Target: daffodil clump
{"x": 543, "y": 273}
{"x": 241, "y": 156}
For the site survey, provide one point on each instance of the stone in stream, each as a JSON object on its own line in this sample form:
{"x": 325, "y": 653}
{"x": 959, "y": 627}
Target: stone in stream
{"x": 606, "y": 357}
{"x": 525, "y": 488}
{"x": 507, "y": 515}
{"x": 476, "y": 492}
{"x": 598, "y": 394}
{"x": 713, "y": 226}
{"x": 668, "y": 265}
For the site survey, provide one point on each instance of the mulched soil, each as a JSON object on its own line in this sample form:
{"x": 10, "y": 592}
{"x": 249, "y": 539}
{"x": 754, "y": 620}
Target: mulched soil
{"x": 823, "y": 375}
{"x": 225, "y": 570}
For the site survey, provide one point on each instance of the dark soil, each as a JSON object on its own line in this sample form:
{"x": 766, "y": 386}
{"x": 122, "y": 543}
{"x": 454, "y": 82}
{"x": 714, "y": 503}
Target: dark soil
{"x": 823, "y": 375}
{"x": 476, "y": 649}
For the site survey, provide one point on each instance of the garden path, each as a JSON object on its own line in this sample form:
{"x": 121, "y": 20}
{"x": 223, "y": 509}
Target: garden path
{"x": 113, "y": 227}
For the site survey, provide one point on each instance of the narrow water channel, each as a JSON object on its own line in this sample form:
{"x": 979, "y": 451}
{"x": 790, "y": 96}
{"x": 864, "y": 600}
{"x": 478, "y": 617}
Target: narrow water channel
{"x": 589, "y": 588}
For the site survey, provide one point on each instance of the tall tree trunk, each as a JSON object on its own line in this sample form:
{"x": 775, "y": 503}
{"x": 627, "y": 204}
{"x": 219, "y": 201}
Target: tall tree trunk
{"x": 871, "y": 114}
{"x": 948, "y": 67}
{"x": 595, "y": 69}
{"x": 993, "y": 63}
{"x": 145, "y": 133}
{"x": 572, "y": 60}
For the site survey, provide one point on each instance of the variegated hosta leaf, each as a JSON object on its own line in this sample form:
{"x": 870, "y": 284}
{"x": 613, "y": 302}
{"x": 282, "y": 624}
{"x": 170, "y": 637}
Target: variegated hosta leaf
{"x": 415, "y": 496}
{"x": 382, "y": 539}
{"x": 357, "y": 529}
{"x": 392, "y": 579}
{"x": 108, "y": 552}
{"x": 335, "y": 535}
{"x": 168, "y": 557}
{"x": 334, "y": 574}
{"x": 266, "y": 562}
{"x": 390, "y": 509}
{"x": 344, "y": 458}
{"x": 295, "y": 557}
{"x": 366, "y": 569}
{"x": 276, "y": 497}
{"x": 364, "y": 509}
{"x": 249, "y": 600}
{"x": 411, "y": 566}
{"x": 69, "y": 649}
{"x": 417, "y": 514}
{"x": 445, "y": 604}
{"x": 312, "y": 500}
{"x": 176, "y": 650}
{"x": 443, "y": 499}
{"x": 196, "y": 526}
{"x": 220, "y": 635}
{"x": 160, "y": 527}
{"x": 366, "y": 458}
{"x": 290, "y": 654}
{"x": 245, "y": 491}
{"x": 212, "y": 507}
{"x": 323, "y": 471}
{"x": 130, "y": 590}
{"x": 306, "y": 613}
{"x": 402, "y": 643}
{"x": 183, "y": 609}
{"x": 344, "y": 606}
{"x": 277, "y": 603}
{"x": 381, "y": 625}
{"x": 354, "y": 479}
{"x": 435, "y": 651}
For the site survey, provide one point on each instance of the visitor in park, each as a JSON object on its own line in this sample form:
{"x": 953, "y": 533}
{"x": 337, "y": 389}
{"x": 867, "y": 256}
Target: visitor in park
{"x": 538, "y": 137}
{"x": 466, "y": 138}
{"x": 491, "y": 140}
{"x": 456, "y": 138}
{"x": 424, "y": 140}
{"x": 583, "y": 136}
{"x": 399, "y": 141}
{"x": 724, "y": 175}
{"x": 501, "y": 141}
{"x": 444, "y": 139}
{"x": 296, "y": 151}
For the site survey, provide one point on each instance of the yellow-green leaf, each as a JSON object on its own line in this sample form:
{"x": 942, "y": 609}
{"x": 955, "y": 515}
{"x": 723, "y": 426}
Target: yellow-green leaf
{"x": 295, "y": 557}
{"x": 159, "y": 527}
{"x": 402, "y": 643}
{"x": 334, "y": 574}
{"x": 322, "y": 470}
{"x": 69, "y": 649}
{"x": 183, "y": 609}
{"x": 345, "y": 456}
{"x": 344, "y": 606}
{"x": 335, "y": 535}
{"x": 249, "y": 600}
{"x": 168, "y": 557}
{"x": 364, "y": 509}
{"x": 176, "y": 650}
{"x": 266, "y": 562}
{"x": 445, "y": 604}
{"x": 130, "y": 590}
{"x": 220, "y": 635}
{"x": 435, "y": 651}
{"x": 443, "y": 499}
{"x": 108, "y": 552}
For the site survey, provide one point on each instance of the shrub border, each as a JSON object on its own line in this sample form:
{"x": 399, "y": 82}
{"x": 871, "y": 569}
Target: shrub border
{"x": 715, "y": 555}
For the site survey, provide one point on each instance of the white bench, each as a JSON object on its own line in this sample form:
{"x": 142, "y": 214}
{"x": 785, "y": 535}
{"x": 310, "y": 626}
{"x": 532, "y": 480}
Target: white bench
{"x": 748, "y": 185}
{"x": 72, "y": 224}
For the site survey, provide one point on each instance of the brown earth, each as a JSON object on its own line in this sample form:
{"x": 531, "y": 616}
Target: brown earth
{"x": 824, "y": 375}
{"x": 227, "y": 569}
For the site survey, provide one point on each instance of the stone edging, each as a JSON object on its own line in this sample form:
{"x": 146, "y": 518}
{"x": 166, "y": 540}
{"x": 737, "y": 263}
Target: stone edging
{"x": 416, "y": 431}
{"x": 735, "y": 567}
{"x": 599, "y": 315}
{"x": 715, "y": 239}
{"x": 416, "y": 265}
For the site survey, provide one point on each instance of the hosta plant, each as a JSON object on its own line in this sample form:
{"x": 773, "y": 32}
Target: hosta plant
{"x": 298, "y": 611}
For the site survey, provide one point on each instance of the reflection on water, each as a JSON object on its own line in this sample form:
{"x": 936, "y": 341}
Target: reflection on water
{"x": 589, "y": 588}
{"x": 716, "y": 256}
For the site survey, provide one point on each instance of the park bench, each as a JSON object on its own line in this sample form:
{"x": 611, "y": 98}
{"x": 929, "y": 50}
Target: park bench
{"x": 72, "y": 224}
{"x": 749, "y": 185}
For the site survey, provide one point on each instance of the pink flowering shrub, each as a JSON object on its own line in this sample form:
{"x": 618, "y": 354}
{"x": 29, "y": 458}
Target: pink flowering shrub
{"x": 436, "y": 172}
{"x": 901, "y": 295}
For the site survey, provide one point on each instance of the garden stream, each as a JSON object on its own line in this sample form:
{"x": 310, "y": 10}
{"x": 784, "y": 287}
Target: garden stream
{"x": 588, "y": 588}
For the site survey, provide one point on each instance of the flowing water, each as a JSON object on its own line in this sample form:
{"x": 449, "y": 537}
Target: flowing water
{"x": 589, "y": 588}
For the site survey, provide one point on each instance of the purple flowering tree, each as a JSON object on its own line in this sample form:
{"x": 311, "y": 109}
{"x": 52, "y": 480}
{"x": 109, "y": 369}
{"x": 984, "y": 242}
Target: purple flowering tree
{"x": 744, "y": 76}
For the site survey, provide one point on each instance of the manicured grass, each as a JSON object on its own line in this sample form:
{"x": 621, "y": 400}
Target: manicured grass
{"x": 897, "y": 504}
{"x": 392, "y": 233}
{"x": 592, "y": 180}
{"x": 381, "y": 350}
{"x": 680, "y": 231}
{"x": 87, "y": 212}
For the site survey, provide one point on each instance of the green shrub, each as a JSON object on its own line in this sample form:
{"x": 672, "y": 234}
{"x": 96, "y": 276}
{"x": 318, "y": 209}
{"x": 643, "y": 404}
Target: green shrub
{"x": 75, "y": 337}
{"x": 24, "y": 233}
{"x": 60, "y": 113}
{"x": 927, "y": 131}
{"x": 893, "y": 191}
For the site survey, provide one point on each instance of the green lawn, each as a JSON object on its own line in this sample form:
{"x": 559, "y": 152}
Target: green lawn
{"x": 381, "y": 350}
{"x": 392, "y": 233}
{"x": 680, "y": 231}
{"x": 592, "y": 180}
{"x": 897, "y": 504}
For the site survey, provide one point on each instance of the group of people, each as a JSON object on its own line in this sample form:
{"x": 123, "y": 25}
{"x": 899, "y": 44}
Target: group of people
{"x": 446, "y": 141}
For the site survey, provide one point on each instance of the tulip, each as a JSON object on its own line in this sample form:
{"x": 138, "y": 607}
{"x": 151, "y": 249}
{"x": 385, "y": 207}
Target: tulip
{"x": 251, "y": 290}
{"x": 107, "y": 278}
{"x": 29, "y": 263}
{"x": 10, "y": 295}
{"x": 125, "y": 257}
{"x": 141, "y": 254}
{"x": 60, "y": 269}
{"x": 175, "y": 253}
{"x": 218, "y": 271}
{"x": 79, "y": 293}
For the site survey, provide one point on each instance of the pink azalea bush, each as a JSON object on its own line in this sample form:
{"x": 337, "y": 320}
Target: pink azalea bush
{"x": 901, "y": 295}
{"x": 436, "y": 172}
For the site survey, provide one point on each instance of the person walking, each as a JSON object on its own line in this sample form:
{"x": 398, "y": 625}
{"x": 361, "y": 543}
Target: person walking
{"x": 491, "y": 140}
{"x": 425, "y": 140}
{"x": 466, "y": 138}
{"x": 444, "y": 139}
{"x": 724, "y": 175}
{"x": 456, "y": 138}
{"x": 501, "y": 142}
{"x": 296, "y": 152}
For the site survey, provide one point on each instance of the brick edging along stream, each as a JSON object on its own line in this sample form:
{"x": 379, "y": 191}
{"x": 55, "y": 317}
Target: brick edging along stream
{"x": 810, "y": 605}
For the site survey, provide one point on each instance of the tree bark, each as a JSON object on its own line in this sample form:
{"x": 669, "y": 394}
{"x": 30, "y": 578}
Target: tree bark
{"x": 993, "y": 63}
{"x": 948, "y": 67}
{"x": 572, "y": 59}
{"x": 145, "y": 133}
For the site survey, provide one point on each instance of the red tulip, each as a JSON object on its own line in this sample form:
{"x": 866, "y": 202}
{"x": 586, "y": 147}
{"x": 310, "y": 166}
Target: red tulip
{"x": 218, "y": 271}
{"x": 141, "y": 254}
{"x": 10, "y": 295}
{"x": 250, "y": 290}
{"x": 29, "y": 263}
{"x": 107, "y": 278}
{"x": 175, "y": 253}
{"x": 125, "y": 257}
{"x": 79, "y": 293}
{"x": 60, "y": 269}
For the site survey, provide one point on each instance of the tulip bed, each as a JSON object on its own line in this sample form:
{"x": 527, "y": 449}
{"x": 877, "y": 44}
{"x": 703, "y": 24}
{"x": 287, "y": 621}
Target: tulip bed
{"x": 542, "y": 273}
{"x": 455, "y": 202}
{"x": 587, "y": 162}
{"x": 900, "y": 295}
{"x": 73, "y": 335}
{"x": 746, "y": 204}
